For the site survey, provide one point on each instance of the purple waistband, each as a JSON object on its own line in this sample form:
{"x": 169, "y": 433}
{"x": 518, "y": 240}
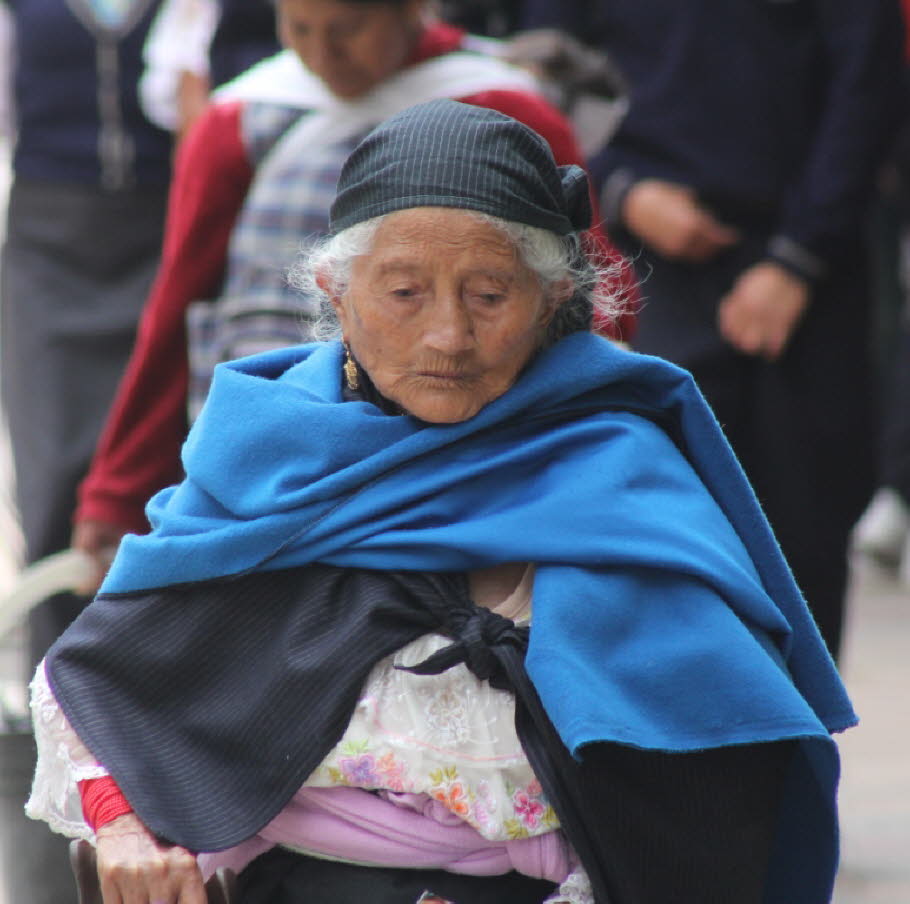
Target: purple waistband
{"x": 400, "y": 830}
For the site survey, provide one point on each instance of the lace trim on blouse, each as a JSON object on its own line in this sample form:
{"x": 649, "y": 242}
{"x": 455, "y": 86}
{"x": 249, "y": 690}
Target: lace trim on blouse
{"x": 63, "y": 761}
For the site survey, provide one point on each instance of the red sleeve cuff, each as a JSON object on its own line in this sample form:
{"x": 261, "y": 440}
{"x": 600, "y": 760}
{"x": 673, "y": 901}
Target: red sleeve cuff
{"x": 102, "y": 801}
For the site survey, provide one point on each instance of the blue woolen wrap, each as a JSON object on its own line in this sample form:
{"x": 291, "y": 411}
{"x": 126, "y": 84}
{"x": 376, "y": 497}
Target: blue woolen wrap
{"x": 664, "y": 614}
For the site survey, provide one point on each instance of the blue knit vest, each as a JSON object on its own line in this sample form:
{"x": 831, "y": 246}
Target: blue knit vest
{"x": 75, "y": 89}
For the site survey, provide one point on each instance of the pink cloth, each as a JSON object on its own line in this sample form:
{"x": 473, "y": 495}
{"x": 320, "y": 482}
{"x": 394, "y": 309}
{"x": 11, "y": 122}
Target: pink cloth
{"x": 400, "y": 830}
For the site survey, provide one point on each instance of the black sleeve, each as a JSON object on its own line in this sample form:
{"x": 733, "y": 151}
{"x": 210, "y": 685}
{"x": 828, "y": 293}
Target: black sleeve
{"x": 692, "y": 827}
{"x": 569, "y": 16}
{"x": 860, "y": 113}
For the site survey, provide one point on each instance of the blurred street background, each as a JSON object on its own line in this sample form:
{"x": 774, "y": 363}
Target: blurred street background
{"x": 875, "y": 787}
{"x": 875, "y": 797}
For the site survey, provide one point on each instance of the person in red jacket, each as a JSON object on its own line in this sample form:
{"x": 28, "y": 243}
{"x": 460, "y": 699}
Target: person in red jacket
{"x": 254, "y": 177}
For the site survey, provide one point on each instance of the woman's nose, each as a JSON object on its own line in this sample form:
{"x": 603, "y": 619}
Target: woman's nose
{"x": 450, "y": 329}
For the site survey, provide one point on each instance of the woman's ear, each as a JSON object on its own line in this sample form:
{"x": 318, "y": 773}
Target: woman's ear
{"x": 327, "y": 285}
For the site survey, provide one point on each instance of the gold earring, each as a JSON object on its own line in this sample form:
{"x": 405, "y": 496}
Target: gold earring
{"x": 351, "y": 377}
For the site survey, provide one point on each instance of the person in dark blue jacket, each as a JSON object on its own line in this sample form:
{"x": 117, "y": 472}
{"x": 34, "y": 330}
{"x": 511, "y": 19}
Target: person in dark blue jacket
{"x": 737, "y": 182}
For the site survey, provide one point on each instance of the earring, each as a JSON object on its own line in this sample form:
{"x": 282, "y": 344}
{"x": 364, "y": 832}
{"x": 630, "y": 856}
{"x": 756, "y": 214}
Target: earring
{"x": 351, "y": 377}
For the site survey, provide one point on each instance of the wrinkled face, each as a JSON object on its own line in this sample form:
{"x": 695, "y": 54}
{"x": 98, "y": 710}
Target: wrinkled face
{"x": 352, "y": 47}
{"x": 441, "y": 313}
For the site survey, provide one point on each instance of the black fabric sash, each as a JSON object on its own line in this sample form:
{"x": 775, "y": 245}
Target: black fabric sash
{"x": 211, "y": 703}
{"x": 493, "y": 648}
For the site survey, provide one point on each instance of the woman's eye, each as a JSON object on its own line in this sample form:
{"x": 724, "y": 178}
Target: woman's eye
{"x": 490, "y": 298}
{"x": 404, "y": 293}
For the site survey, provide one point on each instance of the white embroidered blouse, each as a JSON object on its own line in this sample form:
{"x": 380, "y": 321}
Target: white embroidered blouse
{"x": 451, "y": 736}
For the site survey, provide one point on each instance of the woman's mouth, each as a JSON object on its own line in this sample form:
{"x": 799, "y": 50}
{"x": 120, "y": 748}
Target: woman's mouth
{"x": 454, "y": 378}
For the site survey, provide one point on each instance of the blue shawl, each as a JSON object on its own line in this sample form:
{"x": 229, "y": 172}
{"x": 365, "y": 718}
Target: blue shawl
{"x": 664, "y": 614}
{"x": 656, "y": 569}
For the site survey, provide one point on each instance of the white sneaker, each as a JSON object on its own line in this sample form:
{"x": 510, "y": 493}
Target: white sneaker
{"x": 884, "y": 529}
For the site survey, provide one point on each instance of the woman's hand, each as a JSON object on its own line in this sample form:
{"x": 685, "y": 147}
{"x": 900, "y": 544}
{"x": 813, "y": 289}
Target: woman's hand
{"x": 669, "y": 219}
{"x": 762, "y": 310}
{"x": 135, "y": 868}
{"x": 99, "y": 540}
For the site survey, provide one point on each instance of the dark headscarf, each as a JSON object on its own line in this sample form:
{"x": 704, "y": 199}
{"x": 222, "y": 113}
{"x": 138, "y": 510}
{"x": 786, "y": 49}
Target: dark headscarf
{"x": 449, "y": 154}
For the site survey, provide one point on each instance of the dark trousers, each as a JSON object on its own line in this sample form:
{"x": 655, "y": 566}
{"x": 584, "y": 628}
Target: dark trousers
{"x": 803, "y": 426}
{"x": 77, "y": 266}
{"x": 895, "y": 466}
{"x": 283, "y": 877}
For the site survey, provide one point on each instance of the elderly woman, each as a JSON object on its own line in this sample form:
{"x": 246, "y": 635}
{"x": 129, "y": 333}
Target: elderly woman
{"x": 254, "y": 178}
{"x": 470, "y": 602}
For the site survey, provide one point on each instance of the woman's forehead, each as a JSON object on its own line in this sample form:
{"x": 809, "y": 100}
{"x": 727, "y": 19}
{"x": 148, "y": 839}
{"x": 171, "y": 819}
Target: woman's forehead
{"x": 444, "y": 239}
{"x": 446, "y": 229}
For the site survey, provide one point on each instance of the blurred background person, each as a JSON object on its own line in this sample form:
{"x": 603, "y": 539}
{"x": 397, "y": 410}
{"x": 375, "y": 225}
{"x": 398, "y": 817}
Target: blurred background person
{"x": 577, "y": 78}
{"x": 493, "y": 18}
{"x": 580, "y": 80}
{"x": 197, "y": 45}
{"x": 883, "y": 532}
{"x": 10, "y": 554}
{"x": 6, "y": 74}
{"x": 83, "y": 235}
{"x": 738, "y": 182}
{"x": 254, "y": 179}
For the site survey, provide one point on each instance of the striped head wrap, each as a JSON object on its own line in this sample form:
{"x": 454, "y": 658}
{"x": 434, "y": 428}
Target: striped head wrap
{"x": 449, "y": 154}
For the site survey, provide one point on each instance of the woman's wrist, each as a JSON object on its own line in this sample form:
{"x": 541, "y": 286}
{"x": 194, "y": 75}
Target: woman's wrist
{"x": 102, "y": 801}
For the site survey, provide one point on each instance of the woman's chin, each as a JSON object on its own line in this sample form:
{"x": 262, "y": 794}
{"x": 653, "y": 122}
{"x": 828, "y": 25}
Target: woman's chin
{"x": 447, "y": 409}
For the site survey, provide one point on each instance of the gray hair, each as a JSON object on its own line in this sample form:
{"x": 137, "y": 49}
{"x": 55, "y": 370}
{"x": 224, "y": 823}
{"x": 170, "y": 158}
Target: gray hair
{"x": 551, "y": 257}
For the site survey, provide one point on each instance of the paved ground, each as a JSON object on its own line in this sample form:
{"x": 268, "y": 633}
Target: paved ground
{"x": 875, "y": 790}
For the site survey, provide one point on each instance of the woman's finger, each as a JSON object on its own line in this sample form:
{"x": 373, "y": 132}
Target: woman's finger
{"x": 192, "y": 889}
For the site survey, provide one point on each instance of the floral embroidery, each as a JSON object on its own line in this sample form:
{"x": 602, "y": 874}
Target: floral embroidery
{"x": 446, "y": 711}
{"x": 532, "y": 812}
{"x": 515, "y": 830}
{"x": 360, "y": 768}
{"x": 528, "y": 809}
{"x": 486, "y": 810}
{"x": 359, "y": 771}
{"x": 454, "y": 799}
{"x": 522, "y": 810}
{"x": 532, "y": 809}
{"x": 392, "y": 771}
{"x": 449, "y": 791}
